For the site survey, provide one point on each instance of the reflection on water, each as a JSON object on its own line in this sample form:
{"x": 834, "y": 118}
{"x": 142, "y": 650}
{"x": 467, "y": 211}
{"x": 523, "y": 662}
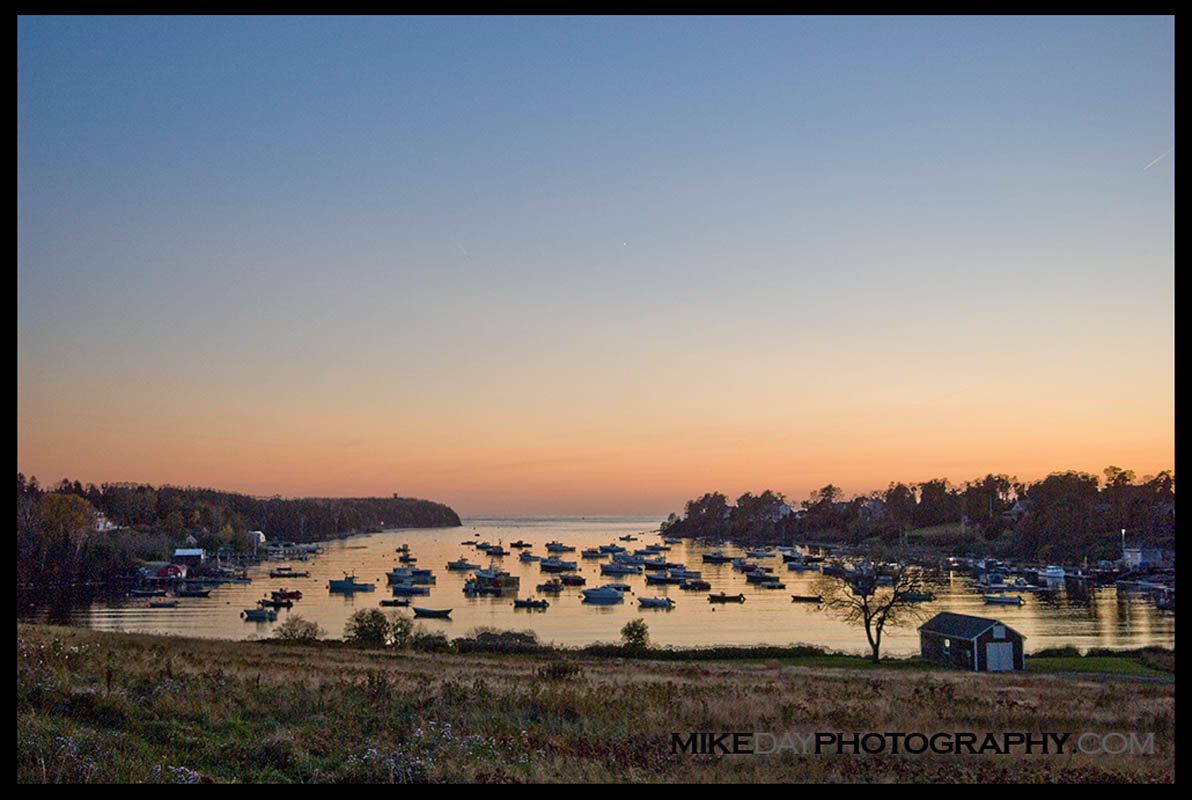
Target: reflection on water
{"x": 1096, "y": 617}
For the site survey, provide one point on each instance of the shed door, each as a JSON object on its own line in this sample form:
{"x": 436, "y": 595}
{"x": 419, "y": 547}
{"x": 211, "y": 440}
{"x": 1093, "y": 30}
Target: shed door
{"x": 999, "y": 656}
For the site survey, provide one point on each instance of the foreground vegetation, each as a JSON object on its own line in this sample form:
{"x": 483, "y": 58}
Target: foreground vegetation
{"x": 103, "y": 708}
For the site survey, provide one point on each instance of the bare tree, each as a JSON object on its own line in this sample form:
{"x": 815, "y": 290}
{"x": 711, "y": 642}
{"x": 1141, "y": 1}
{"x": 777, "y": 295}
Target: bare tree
{"x": 859, "y": 599}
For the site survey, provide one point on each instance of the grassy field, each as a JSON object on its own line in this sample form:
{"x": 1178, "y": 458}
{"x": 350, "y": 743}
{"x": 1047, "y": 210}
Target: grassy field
{"x": 105, "y": 708}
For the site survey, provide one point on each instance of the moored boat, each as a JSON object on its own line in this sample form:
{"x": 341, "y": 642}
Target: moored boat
{"x": 541, "y": 605}
{"x": 726, "y": 598}
{"x": 655, "y": 602}
{"x": 349, "y": 584}
{"x": 441, "y": 613}
{"x": 603, "y": 595}
{"x": 259, "y": 614}
{"x": 1002, "y": 600}
{"x": 806, "y": 598}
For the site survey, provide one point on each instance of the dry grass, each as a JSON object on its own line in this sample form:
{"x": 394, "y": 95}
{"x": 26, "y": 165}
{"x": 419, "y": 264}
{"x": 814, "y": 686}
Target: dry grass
{"x": 189, "y": 709}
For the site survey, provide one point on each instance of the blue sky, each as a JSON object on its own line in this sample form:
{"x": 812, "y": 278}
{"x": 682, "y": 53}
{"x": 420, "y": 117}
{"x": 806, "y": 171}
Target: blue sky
{"x": 554, "y": 214}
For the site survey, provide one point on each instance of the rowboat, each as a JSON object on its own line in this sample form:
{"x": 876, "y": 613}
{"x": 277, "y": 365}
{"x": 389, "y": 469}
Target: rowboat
{"x": 441, "y": 613}
{"x": 401, "y": 602}
{"x": 806, "y": 598}
{"x": 163, "y": 604}
{"x": 726, "y": 598}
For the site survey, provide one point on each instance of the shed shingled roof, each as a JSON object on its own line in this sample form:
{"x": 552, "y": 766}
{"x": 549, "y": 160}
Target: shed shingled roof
{"x": 962, "y": 626}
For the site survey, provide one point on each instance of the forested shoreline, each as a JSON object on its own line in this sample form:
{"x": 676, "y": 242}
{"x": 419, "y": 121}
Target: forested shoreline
{"x": 73, "y": 534}
{"x": 1067, "y": 516}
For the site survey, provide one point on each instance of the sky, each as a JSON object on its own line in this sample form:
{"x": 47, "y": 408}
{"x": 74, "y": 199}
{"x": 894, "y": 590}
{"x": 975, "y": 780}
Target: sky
{"x": 593, "y": 265}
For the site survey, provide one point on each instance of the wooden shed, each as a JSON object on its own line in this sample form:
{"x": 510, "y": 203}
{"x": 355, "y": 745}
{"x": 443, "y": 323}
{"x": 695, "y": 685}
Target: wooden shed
{"x": 978, "y": 644}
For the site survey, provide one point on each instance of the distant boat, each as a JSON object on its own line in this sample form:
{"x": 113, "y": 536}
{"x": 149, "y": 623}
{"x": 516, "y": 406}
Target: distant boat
{"x": 531, "y": 603}
{"x": 716, "y": 558}
{"x": 286, "y": 594}
{"x": 655, "y": 602}
{"x": 604, "y": 595}
{"x": 163, "y": 604}
{"x": 695, "y": 585}
{"x": 188, "y": 592}
{"x": 806, "y": 598}
{"x": 287, "y": 572}
{"x": 349, "y": 584}
{"x": 275, "y": 603}
{"x": 619, "y": 569}
{"x": 528, "y": 558}
{"x": 726, "y": 598}
{"x": 441, "y": 613}
{"x": 520, "y": 543}
{"x": 259, "y": 614}
{"x": 462, "y": 565}
{"x": 1002, "y": 600}
{"x": 559, "y": 547}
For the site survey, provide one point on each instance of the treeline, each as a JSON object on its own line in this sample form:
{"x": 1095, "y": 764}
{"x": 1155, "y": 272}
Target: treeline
{"x": 57, "y": 538}
{"x": 1065, "y": 516}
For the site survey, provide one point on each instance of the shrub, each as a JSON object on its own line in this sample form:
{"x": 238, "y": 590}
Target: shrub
{"x": 636, "y": 635}
{"x": 297, "y": 629}
{"x": 368, "y": 626}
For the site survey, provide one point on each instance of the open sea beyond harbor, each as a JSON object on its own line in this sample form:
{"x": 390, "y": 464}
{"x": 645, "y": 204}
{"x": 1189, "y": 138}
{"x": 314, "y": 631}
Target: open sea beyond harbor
{"x": 1084, "y": 618}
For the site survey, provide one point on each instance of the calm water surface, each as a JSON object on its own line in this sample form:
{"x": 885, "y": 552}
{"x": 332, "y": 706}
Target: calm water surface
{"x": 1100, "y": 618}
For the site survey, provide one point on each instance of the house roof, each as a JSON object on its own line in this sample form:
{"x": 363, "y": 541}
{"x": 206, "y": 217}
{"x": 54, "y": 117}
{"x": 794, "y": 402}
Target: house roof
{"x": 961, "y": 626}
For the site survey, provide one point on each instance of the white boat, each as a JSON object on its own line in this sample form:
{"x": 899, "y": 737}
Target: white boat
{"x": 603, "y": 595}
{"x": 655, "y": 602}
